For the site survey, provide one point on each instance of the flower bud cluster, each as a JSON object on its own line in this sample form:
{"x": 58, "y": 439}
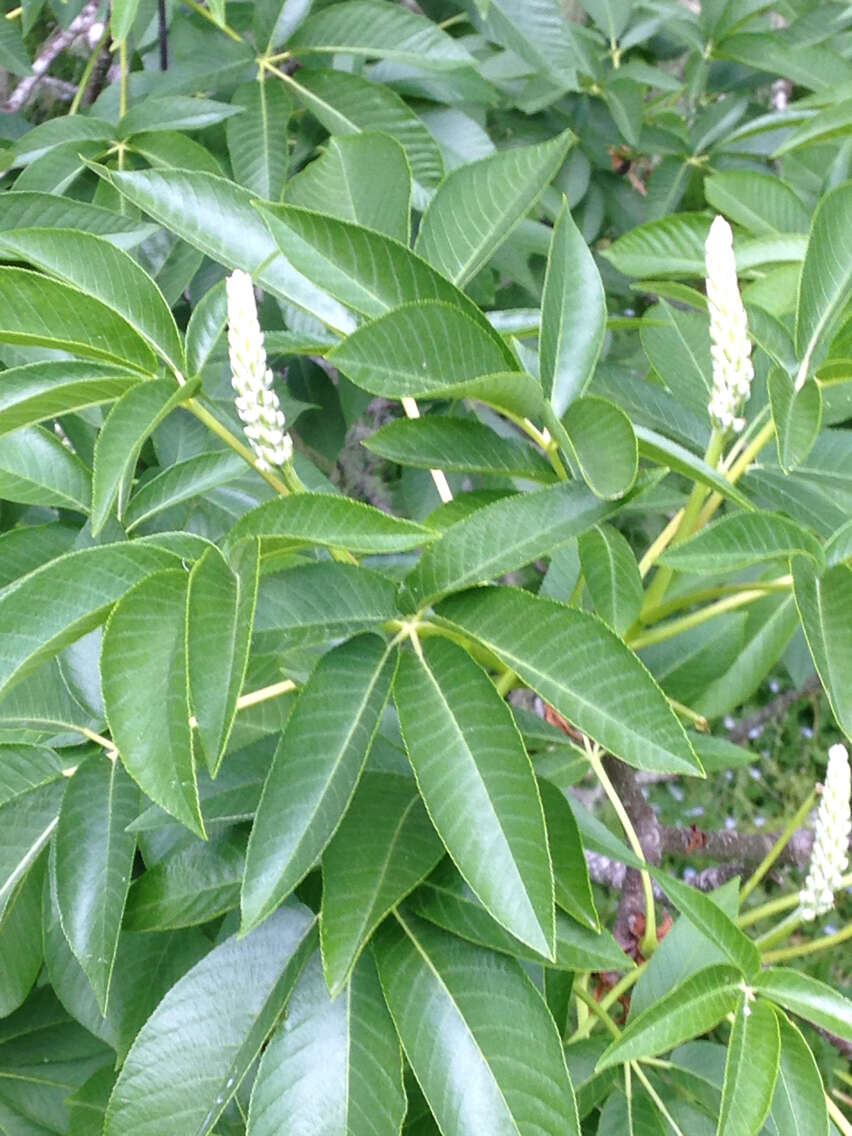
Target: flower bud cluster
{"x": 830, "y": 855}
{"x": 729, "y": 342}
{"x": 257, "y": 403}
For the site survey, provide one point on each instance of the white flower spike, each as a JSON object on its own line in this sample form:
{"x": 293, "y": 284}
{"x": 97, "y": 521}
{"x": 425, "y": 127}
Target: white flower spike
{"x": 257, "y": 403}
{"x": 729, "y": 342}
{"x": 830, "y": 855}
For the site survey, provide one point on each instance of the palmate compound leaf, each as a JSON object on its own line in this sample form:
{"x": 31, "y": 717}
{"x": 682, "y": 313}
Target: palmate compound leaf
{"x": 332, "y": 1066}
{"x": 476, "y": 1033}
{"x": 478, "y": 785}
{"x": 384, "y": 847}
{"x": 145, "y": 689}
{"x": 815, "y": 1001}
{"x": 192, "y": 1053}
{"x": 826, "y": 274}
{"x": 315, "y": 770}
{"x": 93, "y": 858}
{"x": 581, "y": 667}
{"x": 799, "y": 1101}
{"x": 36, "y": 391}
{"x": 257, "y": 139}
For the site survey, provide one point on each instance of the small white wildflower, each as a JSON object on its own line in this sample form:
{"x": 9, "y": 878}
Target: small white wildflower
{"x": 830, "y": 855}
{"x": 257, "y": 403}
{"x": 729, "y": 341}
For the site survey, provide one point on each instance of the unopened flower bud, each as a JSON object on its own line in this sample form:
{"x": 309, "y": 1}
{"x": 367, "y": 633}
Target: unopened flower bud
{"x": 730, "y": 346}
{"x": 257, "y": 403}
{"x": 830, "y": 855}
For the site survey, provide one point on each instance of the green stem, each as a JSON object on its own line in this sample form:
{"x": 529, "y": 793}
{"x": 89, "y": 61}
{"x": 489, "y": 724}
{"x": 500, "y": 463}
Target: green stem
{"x": 246, "y": 453}
{"x": 738, "y": 469}
{"x": 122, "y": 87}
{"x": 782, "y": 903}
{"x": 812, "y": 947}
{"x": 229, "y": 31}
{"x": 780, "y": 931}
{"x": 649, "y": 940}
{"x": 840, "y": 1122}
{"x": 589, "y": 1000}
{"x": 688, "y": 523}
{"x": 87, "y": 71}
{"x": 777, "y": 848}
{"x": 655, "y": 1097}
{"x": 676, "y": 603}
{"x": 694, "y": 619}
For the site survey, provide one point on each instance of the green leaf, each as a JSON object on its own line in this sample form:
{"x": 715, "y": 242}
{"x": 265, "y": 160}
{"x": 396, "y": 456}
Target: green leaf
{"x": 457, "y": 445}
{"x": 219, "y": 616}
{"x": 612, "y": 576}
{"x": 378, "y": 31}
{"x": 37, "y": 311}
{"x": 677, "y": 344}
{"x": 416, "y": 349}
{"x": 479, "y": 787}
{"x": 668, "y": 453}
{"x": 121, "y": 19}
{"x": 332, "y": 1066}
{"x": 799, "y": 1101}
{"x": 384, "y": 847}
{"x": 573, "y": 315}
{"x": 107, "y": 274}
{"x": 21, "y": 950}
{"x": 448, "y": 1000}
{"x": 133, "y": 418}
{"x": 502, "y": 537}
{"x": 44, "y": 611}
{"x": 538, "y": 32}
{"x": 739, "y": 540}
{"x": 570, "y": 873}
{"x": 13, "y": 53}
{"x": 143, "y": 674}
{"x": 611, "y": 16}
{"x": 57, "y": 131}
{"x": 447, "y": 901}
{"x": 169, "y": 149}
{"x": 37, "y": 469}
{"x": 93, "y": 858}
{"x": 318, "y": 602}
{"x": 671, "y": 246}
{"x": 603, "y": 444}
{"x": 769, "y": 628}
{"x": 760, "y": 202}
{"x": 190, "y": 885}
{"x": 176, "y": 112}
{"x": 363, "y": 178}
{"x": 25, "y": 210}
{"x": 366, "y": 270}
{"x": 181, "y": 482}
{"x": 330, "y": 522}
{"x": 349, "y": 104}
{"x": 811, "y": 999}
{"x": 814, "y": 66}
{"x": 257, "y": 140}
{"x": 31, "y": 788}
{"x": 824, "y": 286}
{"x": 197, "y": 1059}
{"x": 315, "y": 770}
{"x": 478, "y": 204}
{"x": 578, "y": 666}
{"x": 712, "y": 921}
{"x": 691, "y": 1009}
{"x": 835, "y": 121}
{"x": 37, "y": 391}
{"x": 825, "y": 608}
{"x": 216, "y": 216}
{"x": 797, "y": 415}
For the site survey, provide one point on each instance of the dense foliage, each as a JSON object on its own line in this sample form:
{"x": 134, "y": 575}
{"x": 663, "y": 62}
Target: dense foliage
{"x": 325, "y": 743}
